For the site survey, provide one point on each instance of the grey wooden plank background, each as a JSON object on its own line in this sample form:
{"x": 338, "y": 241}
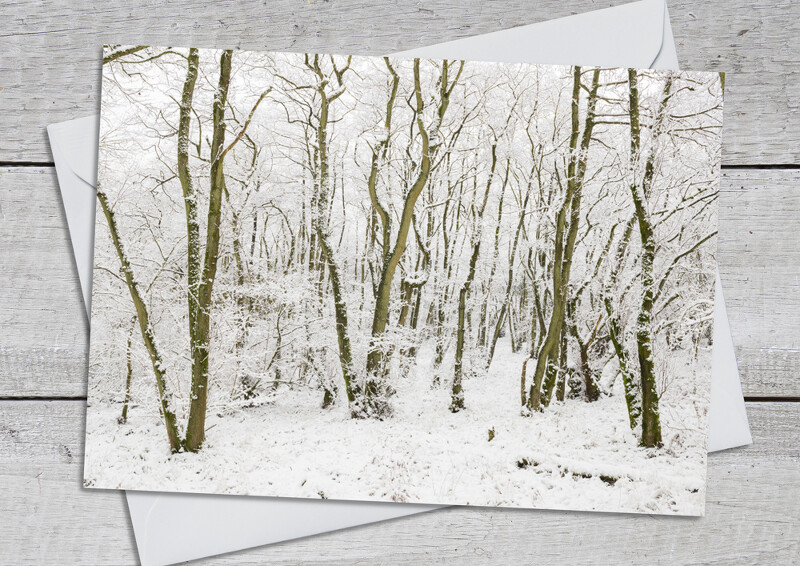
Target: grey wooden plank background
{"x": 50, "y": 65}
{"x": 49, "y": 71}
{"x": 41, "y": 467}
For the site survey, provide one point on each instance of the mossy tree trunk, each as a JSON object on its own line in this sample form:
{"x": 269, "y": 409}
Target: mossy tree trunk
{"x": 148, "y": 336}
{"x": 193, "y": 245}
{"x": 128, "y": 373}
{"x": 195, "y": 430}
{"x": 640, "y": 188}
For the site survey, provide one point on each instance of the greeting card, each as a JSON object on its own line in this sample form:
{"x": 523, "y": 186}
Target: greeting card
{"x": 403, "y": 280}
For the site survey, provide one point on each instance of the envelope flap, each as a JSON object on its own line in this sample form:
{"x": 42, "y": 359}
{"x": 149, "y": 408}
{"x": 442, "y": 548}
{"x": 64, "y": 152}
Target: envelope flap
{"x": 77, "y": 140}
{"x": 74, "y": 147}
{"x": 623, "y": 36}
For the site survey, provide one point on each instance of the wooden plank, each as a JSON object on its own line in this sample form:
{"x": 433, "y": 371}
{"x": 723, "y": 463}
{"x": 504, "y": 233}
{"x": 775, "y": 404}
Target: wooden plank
{"x": 759, "y": 261}
{"x": 43, "y": 351}
{"x": 48, "y": 517}
{"x": 756, "y": 45}
{"x": 50, "y": 51}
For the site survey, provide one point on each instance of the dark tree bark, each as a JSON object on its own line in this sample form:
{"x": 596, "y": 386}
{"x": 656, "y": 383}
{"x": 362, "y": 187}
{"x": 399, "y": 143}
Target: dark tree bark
{"x": 632, "y": 387}
{"x": 128, "y": 373}
{"x": 195, "y": 430}
{"x": 651, "y": 423}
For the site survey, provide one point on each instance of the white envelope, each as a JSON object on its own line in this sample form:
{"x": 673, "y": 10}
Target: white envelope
{"x": 634, "y": 35}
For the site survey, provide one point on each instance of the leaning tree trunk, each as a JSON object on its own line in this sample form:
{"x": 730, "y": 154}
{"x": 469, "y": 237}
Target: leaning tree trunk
{"x": 633, "y": 396}
{"x": 164, "y": 395}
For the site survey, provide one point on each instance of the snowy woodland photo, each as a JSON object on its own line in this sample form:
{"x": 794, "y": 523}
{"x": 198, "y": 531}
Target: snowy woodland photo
{"x": 419, "y": 281}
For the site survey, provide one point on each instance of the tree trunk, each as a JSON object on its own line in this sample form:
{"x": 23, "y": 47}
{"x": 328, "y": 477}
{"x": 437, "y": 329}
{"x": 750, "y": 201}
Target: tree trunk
{"x": 522, "y": 389}
{"x": 633, "y": 397}
{"x": 195, "y": 430}
{"x": 377, "y": 358}
{"x": 128, "y": 373}
{"x": 651, "y": 425}
{"x": 457, "y": 390}
{"x": 164, "y": 395}
{"x": 193, "y": 247}
{"x": 320, "y": 204}
{"x": 561, "y": 384}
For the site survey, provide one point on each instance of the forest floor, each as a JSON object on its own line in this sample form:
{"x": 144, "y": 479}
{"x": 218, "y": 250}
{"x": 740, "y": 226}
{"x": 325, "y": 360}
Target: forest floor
{"x": 574, "y": 455}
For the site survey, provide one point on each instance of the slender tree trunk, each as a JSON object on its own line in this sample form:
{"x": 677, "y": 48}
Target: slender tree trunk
{"x": 510, "y": 282}
{"x": 128, "y": 373}
{"x": 561, "y": 385}
{"x": 522, "y": 385}
{"x": 406, "y": 293}
{"x": 457, "y": 391}
{"x": 164, "y": 395}
{"x": 633, "y": 392}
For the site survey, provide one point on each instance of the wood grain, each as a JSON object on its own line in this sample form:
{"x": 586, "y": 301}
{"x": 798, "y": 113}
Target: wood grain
{"x": 49, "y": 71}
{"x": 44, "y": 347}
{"x": 43, "y": 350}
{"x": 759, "y": 262}
{"x": 50, "y": 51}
{"x": 751, "y": 515}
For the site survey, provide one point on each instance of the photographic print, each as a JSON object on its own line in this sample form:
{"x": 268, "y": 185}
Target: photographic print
{"x": 421, "y": 281}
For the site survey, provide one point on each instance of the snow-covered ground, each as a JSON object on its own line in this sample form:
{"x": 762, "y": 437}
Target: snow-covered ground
{"x": 574, "y": 455}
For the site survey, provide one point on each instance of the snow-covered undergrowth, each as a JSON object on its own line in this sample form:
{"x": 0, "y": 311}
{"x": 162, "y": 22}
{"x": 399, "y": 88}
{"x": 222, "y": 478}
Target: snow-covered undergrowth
{"x": 573, "y": 455}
